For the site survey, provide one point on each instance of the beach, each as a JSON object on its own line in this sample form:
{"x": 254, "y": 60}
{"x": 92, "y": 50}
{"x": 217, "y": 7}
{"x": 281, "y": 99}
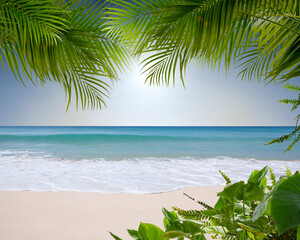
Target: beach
{"x": 29, "y": 215}
{"x": 80, "y": 183}
{"x": 141, "y": 129}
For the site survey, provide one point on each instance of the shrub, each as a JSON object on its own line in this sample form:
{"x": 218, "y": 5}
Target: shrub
{"x": 251, "y": 210}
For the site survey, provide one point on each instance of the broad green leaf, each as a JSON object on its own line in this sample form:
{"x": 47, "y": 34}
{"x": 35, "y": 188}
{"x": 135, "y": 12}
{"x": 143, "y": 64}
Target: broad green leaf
{"x": 134, "y": 234}
{"x": 253, "y": 192}
{"x": 171, "y": 221}
{"x": 258, "y": 177}
{"x": 285, "y": 208}
{"x": 149, "y": 231}
{"x": 233, "y": 190}
{"x": 170, "y": 216}
{"x": 265, "y": 206}
{"x": 220, "y": 203}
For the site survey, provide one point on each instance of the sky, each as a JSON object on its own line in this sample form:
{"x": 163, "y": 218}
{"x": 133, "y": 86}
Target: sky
{"x": 209, "y": 99}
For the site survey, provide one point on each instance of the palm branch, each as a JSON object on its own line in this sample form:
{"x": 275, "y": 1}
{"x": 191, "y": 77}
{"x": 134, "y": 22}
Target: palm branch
{"x": 64, "y": 42}
{"x": 295, "y": 134}
{"x": 261, "y": 35}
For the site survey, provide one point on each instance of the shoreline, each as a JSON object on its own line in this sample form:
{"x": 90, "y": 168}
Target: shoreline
{"x": 67, "y": 215}
{"x": 112, "y": 193}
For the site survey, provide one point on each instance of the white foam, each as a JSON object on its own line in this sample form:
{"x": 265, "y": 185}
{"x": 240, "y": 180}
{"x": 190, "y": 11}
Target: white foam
{"x": 28, "y": 171}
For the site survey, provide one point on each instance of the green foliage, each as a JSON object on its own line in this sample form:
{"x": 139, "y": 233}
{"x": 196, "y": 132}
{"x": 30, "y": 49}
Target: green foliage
{"x": 286, "y": 204}
{"x": 199, "y": 202}
{"x": 244, "y": 211}
{"x": 114, "y": 236}
{"x": 149, "y": 231}
{"x": 146, "y": 231}
{"x": 295, "y": 134}
{"x": 190, "y": 214}
{"x": 265, "y": 206}
{"x": 61, "y": 41}
{"x": 261, "y": 35}
{"x": 292, "y": 87}
{"x": 186, "y": 228}
{"x": 288, "y": 172}
{"x": 225, "y": 177}
{"x": 273, "y": 179}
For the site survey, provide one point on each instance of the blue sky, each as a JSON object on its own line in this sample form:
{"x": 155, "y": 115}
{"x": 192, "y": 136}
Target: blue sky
{"x": 209, "y": 99}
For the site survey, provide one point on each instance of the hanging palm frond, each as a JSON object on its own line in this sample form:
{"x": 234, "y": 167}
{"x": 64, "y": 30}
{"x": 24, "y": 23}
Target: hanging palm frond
{"x": 261, "y": 34}
{"x": 62, "y": 41}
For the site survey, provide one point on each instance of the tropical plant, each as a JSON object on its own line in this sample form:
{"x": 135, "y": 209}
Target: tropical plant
{"x": 61, "y": 41}
{"x": 263, "y": 35}
{"x": 244, "y": 211}
{"x": 296, "y": 132}
{"x": 286, "y": 211}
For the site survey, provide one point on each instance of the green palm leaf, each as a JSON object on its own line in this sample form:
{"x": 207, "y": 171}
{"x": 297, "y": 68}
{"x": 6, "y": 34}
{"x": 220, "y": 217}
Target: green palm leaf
{"x": 260, "y": 34}
{"x": 65, "y": 42}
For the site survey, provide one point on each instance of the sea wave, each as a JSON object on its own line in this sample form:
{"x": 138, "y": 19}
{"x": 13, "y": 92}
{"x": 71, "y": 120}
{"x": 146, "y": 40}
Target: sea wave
{"x": 121, "y": 137}
{"x": 25, "y": 170}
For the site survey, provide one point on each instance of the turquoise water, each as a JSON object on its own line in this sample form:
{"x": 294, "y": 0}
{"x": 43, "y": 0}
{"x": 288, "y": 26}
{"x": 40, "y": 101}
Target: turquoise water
{"x": 135, "y": 159}
{"x": 113, "y": 143}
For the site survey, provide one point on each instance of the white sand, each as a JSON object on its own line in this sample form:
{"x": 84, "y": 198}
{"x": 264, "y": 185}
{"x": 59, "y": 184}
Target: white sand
{"x": 26, "y": 215}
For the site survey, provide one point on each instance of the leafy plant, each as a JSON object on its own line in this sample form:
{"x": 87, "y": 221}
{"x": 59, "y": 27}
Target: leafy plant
{"x": 285, "y": 207}
{"x": 296, "y": 132}
{"x": 61, "y": 41}
{"x": 146, "y": 231}
{"x": 244, "y": 211}
{"x": 262, "y": 35}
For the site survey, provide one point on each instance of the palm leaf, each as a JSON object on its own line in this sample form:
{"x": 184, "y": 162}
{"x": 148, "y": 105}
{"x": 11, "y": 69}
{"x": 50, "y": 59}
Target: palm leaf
{"x": 210, "y": 32}
{"x": 65, "y": 42}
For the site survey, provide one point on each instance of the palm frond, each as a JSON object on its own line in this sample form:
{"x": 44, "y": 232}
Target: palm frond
{"x": 197, "y": 215}
{"x": 291, "y": 87}
{"x": 210, "y": 32}
{"x": 288, "y": 172}
{"x": 203, "y": 204}
{"x": 65, "y": 42}
{"x": 287, "y": 137}
{"x": 227, "y": 179}
{"x": 189, "y": 214}
{"x": 273, "y": 179}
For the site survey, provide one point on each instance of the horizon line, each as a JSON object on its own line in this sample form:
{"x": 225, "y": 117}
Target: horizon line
{"x": 146, "y": 126}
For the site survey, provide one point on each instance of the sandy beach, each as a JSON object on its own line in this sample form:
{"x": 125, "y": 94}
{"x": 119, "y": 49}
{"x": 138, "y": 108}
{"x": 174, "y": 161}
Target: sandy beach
{"x": 27, "y": 215}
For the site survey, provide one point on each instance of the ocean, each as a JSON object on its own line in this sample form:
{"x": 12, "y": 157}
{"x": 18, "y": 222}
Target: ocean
{"x": 136, "y": 159}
